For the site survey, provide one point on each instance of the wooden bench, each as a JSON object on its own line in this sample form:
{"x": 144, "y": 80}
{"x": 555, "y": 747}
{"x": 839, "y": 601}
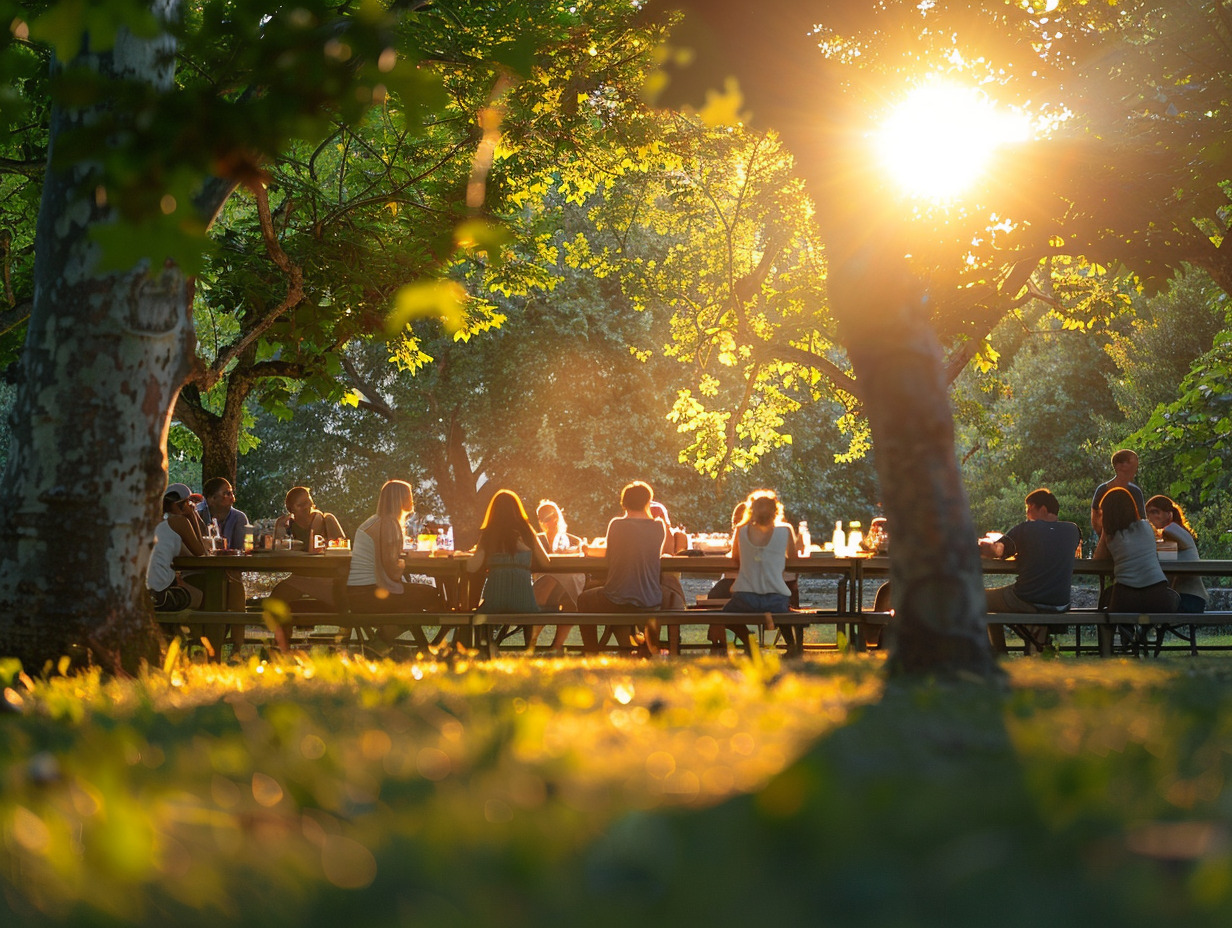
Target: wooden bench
{"x": 484, "y": 629}
{"x": 1137, "y": 626}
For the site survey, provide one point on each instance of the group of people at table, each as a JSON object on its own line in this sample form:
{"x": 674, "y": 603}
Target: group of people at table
{"x": 1129, "y": 529}
{"x": 513, "y": 556}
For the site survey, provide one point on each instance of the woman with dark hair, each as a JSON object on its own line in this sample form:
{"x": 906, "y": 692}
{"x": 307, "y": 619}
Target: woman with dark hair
{"x": 375, "y": 584}
{"x": 508, "y": 549}
{"x": 1139, "y": 584}
{"x": 1167, "y": 517}
{"x": 303, "y": 522}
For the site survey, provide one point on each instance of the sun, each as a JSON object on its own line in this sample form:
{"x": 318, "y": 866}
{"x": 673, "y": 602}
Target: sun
{"x": 942, "y": 137}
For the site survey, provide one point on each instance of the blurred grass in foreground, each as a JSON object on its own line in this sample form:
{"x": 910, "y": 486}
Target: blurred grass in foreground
{"x": 330, "y": 790}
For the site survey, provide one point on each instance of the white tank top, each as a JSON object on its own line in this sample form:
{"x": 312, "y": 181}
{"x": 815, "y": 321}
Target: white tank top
{"x": 761, "y": 567}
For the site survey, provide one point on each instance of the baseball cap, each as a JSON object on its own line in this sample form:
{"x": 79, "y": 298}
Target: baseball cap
{"x": 178, "y": 492}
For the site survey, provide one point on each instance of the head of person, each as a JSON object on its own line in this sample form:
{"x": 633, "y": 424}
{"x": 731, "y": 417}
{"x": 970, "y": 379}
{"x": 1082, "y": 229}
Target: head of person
{"x": 505, "y": 522}
{"x": 1162, "y": 511}
{"x": 177, "y": 499}
{"x": 1125, "y": 463}
{"x": 395, "y": 501}
{"x": 299, "y": 502}
{"x": 764, "y": 508}
{"x": 636, "y": 497}
{"x": 1119, "y": 511}
{"x": 1041, "y": 501}
{"x": 218, "y": 494}
{"x": 738, "y": 513}
{"x": 551, "y": 518}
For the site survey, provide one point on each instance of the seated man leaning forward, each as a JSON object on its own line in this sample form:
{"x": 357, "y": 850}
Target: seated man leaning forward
{"x": 1044, "y": 548}
{"x": 635, "y": 543}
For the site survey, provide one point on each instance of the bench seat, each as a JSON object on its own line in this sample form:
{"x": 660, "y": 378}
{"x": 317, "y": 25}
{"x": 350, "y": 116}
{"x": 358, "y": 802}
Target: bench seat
{"x": 485, "y": 626}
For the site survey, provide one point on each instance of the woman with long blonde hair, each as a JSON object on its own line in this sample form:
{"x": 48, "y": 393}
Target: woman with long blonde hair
{"x": 375, "y": 584}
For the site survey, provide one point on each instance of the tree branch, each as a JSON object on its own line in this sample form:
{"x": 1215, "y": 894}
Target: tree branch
{"x": 370, "y": 397}
{"x": 294, "y": 294}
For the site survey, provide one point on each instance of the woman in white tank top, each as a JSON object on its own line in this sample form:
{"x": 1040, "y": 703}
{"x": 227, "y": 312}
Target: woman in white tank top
{"x": 760, "y": 548}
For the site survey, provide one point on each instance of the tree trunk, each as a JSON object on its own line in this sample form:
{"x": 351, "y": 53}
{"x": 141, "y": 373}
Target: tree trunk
{"x": 936, "y": 581}
{"x": 219, "y": 434}
{"x": 456, "y": 484}
{"x": 787, "y": 85}
{"x": 104, "y": 358}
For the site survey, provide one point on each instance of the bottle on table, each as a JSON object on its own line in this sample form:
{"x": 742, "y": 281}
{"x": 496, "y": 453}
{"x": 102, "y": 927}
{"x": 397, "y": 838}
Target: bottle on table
{"x": 854, "y": 538}
{"x": 806, "y": 540}
{"x": 839, "y": 539}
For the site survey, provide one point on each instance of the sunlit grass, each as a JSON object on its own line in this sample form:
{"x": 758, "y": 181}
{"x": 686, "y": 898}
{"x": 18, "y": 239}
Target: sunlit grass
{"x": 329, "y": 788}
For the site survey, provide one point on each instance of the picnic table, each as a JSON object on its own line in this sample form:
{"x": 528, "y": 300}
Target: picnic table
{"x": 849, "y": 614}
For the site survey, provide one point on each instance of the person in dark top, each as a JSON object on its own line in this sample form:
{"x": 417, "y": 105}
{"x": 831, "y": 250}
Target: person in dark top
{"x": 1125, "y": 464}
{"x": 1044, "y": 547}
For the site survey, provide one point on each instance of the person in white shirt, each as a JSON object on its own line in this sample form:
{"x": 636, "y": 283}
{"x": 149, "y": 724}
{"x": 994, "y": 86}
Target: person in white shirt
{"x": 178, "y": 533}
{"x": 760, "y": 548}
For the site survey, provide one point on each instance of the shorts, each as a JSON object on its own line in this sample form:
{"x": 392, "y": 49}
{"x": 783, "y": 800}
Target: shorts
{"x": 172, "y": 599}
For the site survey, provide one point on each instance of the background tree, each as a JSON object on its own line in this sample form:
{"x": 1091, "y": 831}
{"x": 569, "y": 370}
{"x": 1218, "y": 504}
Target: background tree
{"x": 139, "y": 167}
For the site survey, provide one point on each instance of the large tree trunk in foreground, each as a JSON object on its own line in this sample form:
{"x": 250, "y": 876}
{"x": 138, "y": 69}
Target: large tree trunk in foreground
{"x": 105, "y": 356}
{"x": 937, "y": 585}
{"x": 937, "y": 582}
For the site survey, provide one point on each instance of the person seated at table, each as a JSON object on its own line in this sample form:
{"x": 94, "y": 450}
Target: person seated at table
{"x": 1167, "y": 517}
{"x": 1125, "y": 466}
{"x": 556, "y": 592}
{"x": 219, "y": 507}
{"x": 678, "y": 538}
{"x": 1044, "y": 548}
{"x": 635, "y": 544}
{"x": 179, "y": 533}
{"x": 1139, "y": 584}
{"x": 508, "y": 549}
{"x": 375, "y": 585}
{"x": 716, "y": 633}
{"x": 302, "y": 521}
{"x": 760, "y": 548}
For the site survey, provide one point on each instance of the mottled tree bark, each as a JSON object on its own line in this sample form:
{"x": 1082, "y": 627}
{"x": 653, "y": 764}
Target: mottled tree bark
{"x": 104, "y": 359}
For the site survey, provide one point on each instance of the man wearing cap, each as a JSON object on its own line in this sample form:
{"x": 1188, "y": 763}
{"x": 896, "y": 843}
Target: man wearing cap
{"x": 178, "y": 533}
{"x": 219, "y": 497}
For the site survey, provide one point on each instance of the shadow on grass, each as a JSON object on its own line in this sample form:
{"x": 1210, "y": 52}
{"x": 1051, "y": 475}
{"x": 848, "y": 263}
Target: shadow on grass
{"x": 918, "y": 812}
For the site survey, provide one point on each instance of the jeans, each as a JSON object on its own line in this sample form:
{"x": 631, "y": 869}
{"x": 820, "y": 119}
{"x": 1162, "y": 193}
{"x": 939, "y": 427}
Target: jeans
{"x": 758, "y": 602}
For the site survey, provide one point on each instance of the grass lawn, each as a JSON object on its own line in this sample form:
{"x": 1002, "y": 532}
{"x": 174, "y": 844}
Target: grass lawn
{"x": 698, "y": 791}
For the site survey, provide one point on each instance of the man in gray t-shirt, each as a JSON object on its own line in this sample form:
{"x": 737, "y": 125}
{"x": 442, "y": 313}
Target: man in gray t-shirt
{"x": 1044, "y": 548}
{"x": 1125, "y": 465}
{"x": 635, "y": 542}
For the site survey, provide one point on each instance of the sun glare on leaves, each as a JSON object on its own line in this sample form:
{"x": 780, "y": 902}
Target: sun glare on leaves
{"x": 942, "y": 137}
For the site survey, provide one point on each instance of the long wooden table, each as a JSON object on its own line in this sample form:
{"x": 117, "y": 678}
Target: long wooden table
{"x": 451, "y": 573}
{"x": 212, "y": 570}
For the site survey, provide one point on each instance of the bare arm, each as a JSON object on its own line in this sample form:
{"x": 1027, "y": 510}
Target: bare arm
{"x": 333, "y": 528}
{"x": 735, "y": 549}
{"x": 992, "y": 549}
{"x": 1101, "y": 549}
{"x": 478, "y": 561}
{"x": 389, "y": 549}
{"x": 538, "y": 554}
{"x": 188, "y": 535}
